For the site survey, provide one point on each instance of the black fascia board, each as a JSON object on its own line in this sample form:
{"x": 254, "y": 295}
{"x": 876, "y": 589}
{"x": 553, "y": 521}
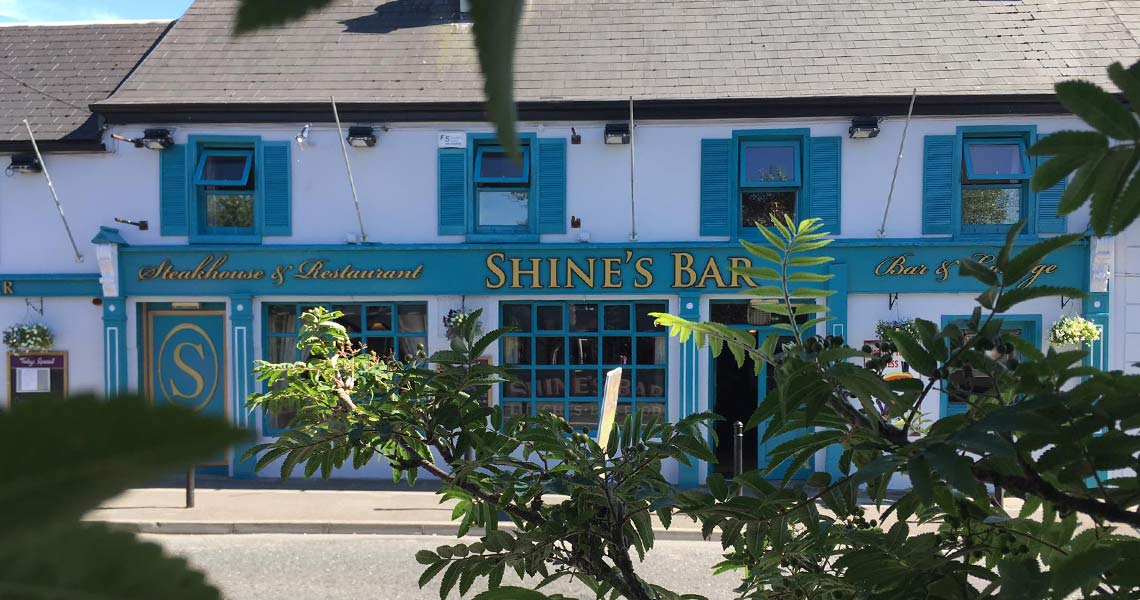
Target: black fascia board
{"x": 590, "y": 110}
{"x": 52, "y": 146}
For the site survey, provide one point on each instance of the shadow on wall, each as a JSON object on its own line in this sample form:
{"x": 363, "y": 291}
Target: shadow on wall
{"x": 405, "y": 14}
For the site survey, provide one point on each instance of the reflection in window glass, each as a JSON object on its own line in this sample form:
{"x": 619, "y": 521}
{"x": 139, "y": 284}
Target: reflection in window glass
{"x": 229, "y": 210}
{"x": 497, "y": 165}
{"x": 504, "y": 208}
{"x": 225, "y": 169}
{"x": 767, "y": 163}
{"x": 992, "y": 206}
{"x": 574, "y": 346}
{"x": 1001, "y": 160}
{"x": 758, "y": 208}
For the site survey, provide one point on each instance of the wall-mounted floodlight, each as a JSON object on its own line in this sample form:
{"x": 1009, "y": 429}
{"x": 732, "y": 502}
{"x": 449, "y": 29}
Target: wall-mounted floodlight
{"x": 863, "y": 128}
{"x": 303, "y": 136}
{"x": 25, "y": 163}
{"x": 361, "y": 136}
{"x": 152, "y": 139}
{"x": 617, "y": 133}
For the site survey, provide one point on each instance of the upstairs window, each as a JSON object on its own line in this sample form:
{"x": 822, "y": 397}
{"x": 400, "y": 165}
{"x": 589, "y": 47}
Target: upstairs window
{"x": 769, "y": 181}
{"x": 502, "y": 191}
{"x": 995, "y": 173}
{"x": 225, "y": 185}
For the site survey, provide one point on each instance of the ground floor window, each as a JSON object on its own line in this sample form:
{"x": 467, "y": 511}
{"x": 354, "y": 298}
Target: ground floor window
{"x": 382, "y": 327}
{"x": 962, "y": 386}
{"x": 558, "y": 354}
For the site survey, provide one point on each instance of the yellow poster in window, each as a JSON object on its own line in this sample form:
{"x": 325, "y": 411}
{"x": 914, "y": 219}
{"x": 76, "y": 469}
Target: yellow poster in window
{"x": 609, "y": 406}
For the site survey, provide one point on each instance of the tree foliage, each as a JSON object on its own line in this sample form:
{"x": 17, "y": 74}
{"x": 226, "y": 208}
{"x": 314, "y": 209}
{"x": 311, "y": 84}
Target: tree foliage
{"x": 64, "y": 457}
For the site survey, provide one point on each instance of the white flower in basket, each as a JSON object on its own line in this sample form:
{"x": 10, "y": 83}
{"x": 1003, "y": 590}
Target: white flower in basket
{"x": 28, "y": 338}
{"x": 1073, "y": 331}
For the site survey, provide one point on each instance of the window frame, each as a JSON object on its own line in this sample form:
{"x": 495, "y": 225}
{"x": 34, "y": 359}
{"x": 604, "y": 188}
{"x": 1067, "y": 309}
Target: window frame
{"x": 477, "y": 143}
{"x": 567, "y": 399}
{"x": 766, "y": 137}
{"x": 268, "y": 426}
{"x": 204, "y": 155}
{"x": 1030, "y": 322}
{"x": 197, "y": 145}
{"x": 797, "y": 164}
{"x": 1024, "y": 136}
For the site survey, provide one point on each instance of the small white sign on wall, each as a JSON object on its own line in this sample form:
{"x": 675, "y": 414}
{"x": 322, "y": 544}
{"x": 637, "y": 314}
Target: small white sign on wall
{"x": 33, "y": 380}
{"x": 452, "y": 139}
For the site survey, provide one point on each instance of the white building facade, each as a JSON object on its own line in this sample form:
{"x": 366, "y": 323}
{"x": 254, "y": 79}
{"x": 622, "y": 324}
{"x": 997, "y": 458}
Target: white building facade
{"x": 247, "y": 225}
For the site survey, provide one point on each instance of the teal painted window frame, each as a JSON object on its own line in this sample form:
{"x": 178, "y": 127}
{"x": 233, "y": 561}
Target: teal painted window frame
{"x": 481, "y": 150}
{"x": 268, "y": 426}
{"x": 566, "y": 399}
{"x": 204, "y": 155}
{"x": 1033, "y": 321}
{"x": 798, "y": 136}
{"x": 476, "y": 144}
{"x": 971, "y": 175}
{"x": 1025, "y": 135}
{"x": 198, "y": 145}
{"x": 797, "y": 163}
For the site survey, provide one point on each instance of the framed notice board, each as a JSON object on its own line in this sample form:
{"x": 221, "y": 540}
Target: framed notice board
{"x": 36, "y": 375}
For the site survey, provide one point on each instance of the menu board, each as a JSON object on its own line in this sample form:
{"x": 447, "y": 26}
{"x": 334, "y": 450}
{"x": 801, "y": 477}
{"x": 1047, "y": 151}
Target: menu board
{"x": 36, "y": 375}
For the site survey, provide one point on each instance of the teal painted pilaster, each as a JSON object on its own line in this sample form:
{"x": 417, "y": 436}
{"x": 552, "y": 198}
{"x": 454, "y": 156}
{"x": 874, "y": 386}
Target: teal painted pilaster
{"x": 241, "y": 377}
{"x": 114, "y": 347}
{"x": 838, "y": 305}
{"x": 689, "y": 476}
{"x": 1095, "y": 309}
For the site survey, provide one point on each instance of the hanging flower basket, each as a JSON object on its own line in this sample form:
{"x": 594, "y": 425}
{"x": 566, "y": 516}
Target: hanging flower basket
{"x": 882, "y": 328}
{"x": 29, "y": 338}
{"x": 1073, "y": 331}
{"x": 455, "y": 319}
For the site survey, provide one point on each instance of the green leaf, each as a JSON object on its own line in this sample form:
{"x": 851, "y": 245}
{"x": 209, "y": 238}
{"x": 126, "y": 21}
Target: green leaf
{"x": 969, "y": 267}
{"x": 1098, "y": 108}
{"x": 1080, "y": 187}
{"x": 809, "y": 261}
{"x": 1069, "y": 143}
{"x": 257, "y": 14}
{"x": 430, "y": 572}
{"x": 913, "y": 353}
{"x": 1079, "y": 569}
{"x": 953, "y": 467}
{"x": 427, "y": 557}
{"x": 1110, "y": 172}
{"x": 1127, "y": 205}
{"x": 762, "y": 273}
{"x": 761, "y": 251}
{"x": 920, "y": 480}
{"x": 1010, "y": 240}
{"x": 495, "y": 24}
{"x": 1128, "y": 82}
{"x": 1014, "y": 297}
{"x": 75, "y": 453}
{"x": 511, "y": 593}
{"x": 1020, "y": 265}
{"x": 1057, "y": 168}
{"x": 717, "y": 486}
{"x": 91, "y": 560}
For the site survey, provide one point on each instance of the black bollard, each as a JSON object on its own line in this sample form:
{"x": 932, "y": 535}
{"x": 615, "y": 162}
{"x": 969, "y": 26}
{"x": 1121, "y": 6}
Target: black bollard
{"x": 737, "y": 448}
{"x": 190, "y": 487}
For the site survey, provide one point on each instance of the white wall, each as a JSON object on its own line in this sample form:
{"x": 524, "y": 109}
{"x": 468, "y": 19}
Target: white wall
{"x": 78, "y": 328}
{"x": 1124, "y": 307}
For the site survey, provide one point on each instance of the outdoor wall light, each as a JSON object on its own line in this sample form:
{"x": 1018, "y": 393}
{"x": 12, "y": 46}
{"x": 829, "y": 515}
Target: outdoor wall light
{"x": 575, "y": 137}
{"x": 617, "y": 133}
{"x": 361, "y": 136}
{"x": 152, "y": 139}
{"x": 863, "y": 128}
{"x": 25, "y": 163}
{"x": 303, "y": 136}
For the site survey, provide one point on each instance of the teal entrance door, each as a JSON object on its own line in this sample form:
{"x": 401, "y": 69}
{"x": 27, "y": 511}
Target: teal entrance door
{"x": 186, "y": 361}
{"x": 736, "y": 391}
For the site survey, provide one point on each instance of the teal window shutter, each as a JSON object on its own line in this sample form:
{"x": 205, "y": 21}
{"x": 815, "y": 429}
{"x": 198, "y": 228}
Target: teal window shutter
{"x": 1047, "y": 202}
{"x": 938, "y": 173}
{"x": 173, "y": 200}
{"x": 716, "y": 187}
{"x": 552, "y": 185}
{"x": 823, "y": 199}
{"x": 278, "y": 192}
{"x": 452, "y": 191}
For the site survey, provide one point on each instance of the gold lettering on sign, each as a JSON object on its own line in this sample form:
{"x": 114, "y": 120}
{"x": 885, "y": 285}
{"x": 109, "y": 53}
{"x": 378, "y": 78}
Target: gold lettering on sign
{"x": 644, "y": 277}
{"x": 6, "y": 288}
{"x": 210, "y": 268}
{"x": 172, "y": 393}
{"x": 897, "y": 265}
{"x": 493, "y": 261}
{"x": 611, "y": 273}
{"x": 1036, "y": 272}
{"x": 711, "y": 270}
{"x": 517, "y": 273}
{"x": 199, "y": 382}
{"x": 572, "y": 270}
{"x": 740, "y": 262}
{"x": 683, "y": 274}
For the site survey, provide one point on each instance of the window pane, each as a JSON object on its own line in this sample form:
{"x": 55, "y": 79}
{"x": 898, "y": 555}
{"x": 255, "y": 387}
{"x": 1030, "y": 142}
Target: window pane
{"x": 650, "y": 383}
{"x": 411, "y": 344}
{"x": 584, "y": 351}
{"x": 412, "y": 318}
{"x": 229, "y": 210}
{"x": 583, "y": 317}
{"x": 644, "y": 321}
{"x": 517, "y": 316}
{"x": 379, "y": 318}
{"x": 550, "y": 383}
{"x": 617, "y": 317}
{"x": 283, "y": 318}
{"x": 617, "y": 350}
{"x": 995, "y": 159}
{"x": 550, "y": 351}
{"x": 769, "y": 163}
{"x": 516, "y": 350}
{"x": 550, "y": 318}
{"x": 583, "y": 415}
{"x": 757, "y": 208}
{"x": 652, "y": 409}
{"x": 518, "y": 386}
{"x": 352, "y": 317}
{"x": 515, "y": 409}
{"x": 554, "y": 408}
{"x": 991, "y": 206}
{"x": 228, "y": 169}
{"x": 504, "y": 208}
{"x": 282, "y": 349}
{"x": 584, "y": 383}
{"x": 651, "y": 350}
{"x": 497, "y": 165}
{"x": 383, "y": 346}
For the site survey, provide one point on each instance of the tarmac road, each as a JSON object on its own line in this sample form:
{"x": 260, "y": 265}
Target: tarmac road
{"x": 383, "y": 567}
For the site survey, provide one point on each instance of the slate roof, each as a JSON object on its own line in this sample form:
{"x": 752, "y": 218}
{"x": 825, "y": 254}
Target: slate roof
{"x": 50, "y": 74}
{"x": 418, "y": 51}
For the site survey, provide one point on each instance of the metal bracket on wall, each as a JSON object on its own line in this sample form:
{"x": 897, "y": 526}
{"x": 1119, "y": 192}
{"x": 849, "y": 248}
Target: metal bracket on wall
{"x": 39, "y": 309}
{"x": 892, "y": 300}
{"x": 1065, "y": 300}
